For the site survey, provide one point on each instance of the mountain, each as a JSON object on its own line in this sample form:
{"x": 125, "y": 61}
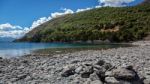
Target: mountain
{"x": 146, "y": 1}
{"x": 116, "y": 24}
{"x": 6, "y": 39}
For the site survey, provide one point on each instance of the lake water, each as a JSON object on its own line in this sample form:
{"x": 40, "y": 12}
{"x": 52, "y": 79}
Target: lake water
{"x": 9, "y": 49}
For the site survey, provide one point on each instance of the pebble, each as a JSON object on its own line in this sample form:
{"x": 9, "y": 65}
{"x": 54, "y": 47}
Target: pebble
{"x": 49, "y": 69}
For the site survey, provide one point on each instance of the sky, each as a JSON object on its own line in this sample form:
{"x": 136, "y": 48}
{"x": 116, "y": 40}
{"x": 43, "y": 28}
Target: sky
{"x": 18, "y": 17}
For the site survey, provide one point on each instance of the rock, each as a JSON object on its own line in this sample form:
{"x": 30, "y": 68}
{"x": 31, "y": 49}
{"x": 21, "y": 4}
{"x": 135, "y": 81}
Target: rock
{"x": 1, "y": 58}
{"x": 111, "y": 80}
{"x": 96, "y": 82}
{"x": 79, "y": 69}
{"x": 100, "y": 62}
{"x": 129, "y": 67}
{"x": 147, "y": 81}
{"x": 97, "y": 67}
{"x": 25, "y": 61}
{"x": 87, "y": 82}
{"x": 22, "y": 76}
{"x": 68, "y": 73}
{"x": 108, "y": 74}
{"x": 101, "y": 74}
{"x": 107, "y": 66}
{"x": 87, "y": 70}
{"x": 125, "y": 74}
{"x": 75, "y": 61}
{"x": 85, "y": 74}
{"x": 94, "y": 77}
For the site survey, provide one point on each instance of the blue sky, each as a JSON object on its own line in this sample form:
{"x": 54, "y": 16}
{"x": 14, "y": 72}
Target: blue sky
{"x": 24, "y": 12}
{"x": 21, "y": 15}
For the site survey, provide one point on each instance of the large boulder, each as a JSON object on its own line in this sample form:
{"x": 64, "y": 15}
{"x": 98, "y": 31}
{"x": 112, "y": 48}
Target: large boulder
{"x": 125, "y": 74}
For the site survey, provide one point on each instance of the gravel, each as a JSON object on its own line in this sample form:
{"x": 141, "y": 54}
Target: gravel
{"x": 48, "y": 69}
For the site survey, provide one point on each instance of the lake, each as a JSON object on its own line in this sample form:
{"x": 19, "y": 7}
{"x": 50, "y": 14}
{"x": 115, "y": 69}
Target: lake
{"x": 10, "y": 49}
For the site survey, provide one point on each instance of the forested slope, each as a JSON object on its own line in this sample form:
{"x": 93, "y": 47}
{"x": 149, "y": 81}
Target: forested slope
{"x": 116, "y": 24}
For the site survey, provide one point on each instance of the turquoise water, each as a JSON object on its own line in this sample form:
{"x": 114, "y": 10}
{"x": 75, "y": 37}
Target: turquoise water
{"x": 9, "y": 49}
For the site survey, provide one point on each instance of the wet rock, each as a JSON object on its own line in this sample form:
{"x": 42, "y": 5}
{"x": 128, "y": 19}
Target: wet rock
{"x": 111, "y": 80}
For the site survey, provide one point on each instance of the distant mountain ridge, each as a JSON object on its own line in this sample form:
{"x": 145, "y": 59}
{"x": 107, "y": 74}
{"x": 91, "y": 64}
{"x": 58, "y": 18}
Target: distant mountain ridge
{"x": 6, "y": 39}
{"x": 116, "y": 24}
{"x": 146, "y": 2}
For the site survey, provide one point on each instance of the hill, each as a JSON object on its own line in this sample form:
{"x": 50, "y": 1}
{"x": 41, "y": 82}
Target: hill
{"x": 6, "y": 39}
{"x": 146, "y": 1}
{"x": 116, "y": 24}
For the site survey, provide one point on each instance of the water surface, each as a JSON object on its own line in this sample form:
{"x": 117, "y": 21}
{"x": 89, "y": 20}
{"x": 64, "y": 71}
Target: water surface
{"x": 9, "y": 49}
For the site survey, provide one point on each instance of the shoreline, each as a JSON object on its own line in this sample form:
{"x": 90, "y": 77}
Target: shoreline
{"x": 48, "y": 69}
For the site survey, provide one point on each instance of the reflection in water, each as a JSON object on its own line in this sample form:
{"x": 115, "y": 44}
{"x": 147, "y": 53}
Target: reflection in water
{"x": 19, "y": 49}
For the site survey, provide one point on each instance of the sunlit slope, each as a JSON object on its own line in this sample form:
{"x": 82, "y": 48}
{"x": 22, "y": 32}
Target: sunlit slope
{"x": 116, "y": 24}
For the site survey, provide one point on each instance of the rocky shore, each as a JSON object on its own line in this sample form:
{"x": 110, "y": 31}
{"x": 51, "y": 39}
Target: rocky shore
{"x": 130, "y": 65}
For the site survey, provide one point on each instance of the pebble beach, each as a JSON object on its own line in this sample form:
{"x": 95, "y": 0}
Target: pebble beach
{"x": 57, "y": 69}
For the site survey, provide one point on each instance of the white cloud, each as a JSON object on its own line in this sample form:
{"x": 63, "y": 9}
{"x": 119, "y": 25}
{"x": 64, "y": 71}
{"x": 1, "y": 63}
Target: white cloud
{"x": 115, "y": 3}
{"x": 80, "y": 10}
{"x": 58, "y": 14}
{"x": 14, "y": 31}
{"x": 8, "y": 30}
{"x": 40, "y": 21}
{"x": 9, "y": 26}
{"x": 53, "y": 15}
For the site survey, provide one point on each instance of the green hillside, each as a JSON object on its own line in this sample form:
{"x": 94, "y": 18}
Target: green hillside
{"x": 116, "y": 24}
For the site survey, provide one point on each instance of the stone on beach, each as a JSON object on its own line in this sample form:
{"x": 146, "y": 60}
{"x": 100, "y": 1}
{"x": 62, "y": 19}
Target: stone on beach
{"x": 96, "y": 66}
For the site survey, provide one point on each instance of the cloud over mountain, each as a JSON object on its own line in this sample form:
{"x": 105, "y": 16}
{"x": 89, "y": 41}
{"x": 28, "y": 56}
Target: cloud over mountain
{"x": 14, "y": 31}
{"x": 114, "y": 3}
{"x": 9, "y": 30}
